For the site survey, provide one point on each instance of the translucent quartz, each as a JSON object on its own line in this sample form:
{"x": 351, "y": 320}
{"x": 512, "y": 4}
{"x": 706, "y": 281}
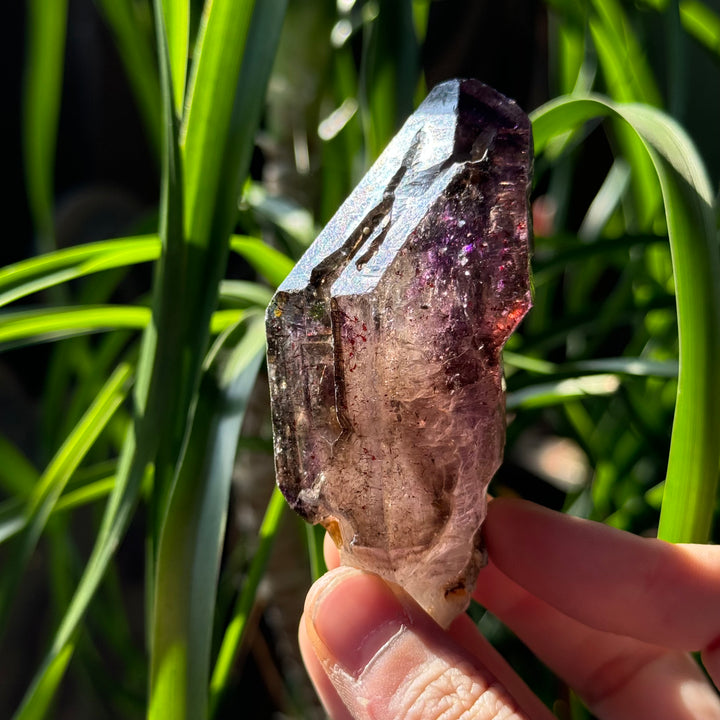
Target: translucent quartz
{"x": 384, "y": 347}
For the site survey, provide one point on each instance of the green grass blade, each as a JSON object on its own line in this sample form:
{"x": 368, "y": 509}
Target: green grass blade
{"x": 702, "y": 23}
{"x": 30, "y": 276}
{"x": 155, "y": 389}
{"x": 559, "y": 392}
{"x": 31, "y": 326}
{"x": 232, "y": 640}
{"x": 223, "y": 170}
{"x": 622, "y": 58}
{"x": 209, "y": 221}
{"x": 223, "y": 319}
{"x": 133, "y": 468}
{"x": 692, "y": 474}
{"x": 52, "y": 482}
{"x": 67, "y": 459}
{"x": 219, "y": 126}
{"x": 12, "y": 518}
{"x": 174, "y": 342}
{"x": 47, "y": 21}
{"x": 273, "y": 265}
{"x": 80, "y": 491}
{"x": 211, "y": 91}
{"x": 83, "y": 496}
{"x": 574, "y": 70}
{"x": 315, "y": 538}
{"x": 605, "y": 202}
{"x": 247, "y": 294}
{"x": 634, "y": 366}
{"x": 293, "y": 221}
{"x": 45, "y": 691}
{"x": 691, "y": 479}
{"x": 191, "y": 542}
{"x": 177, "y": 24}
{"x": 421, "y": 14}
{"x": 629, "y": 79}
{"x": 232, "y": 63}
{"x": 390, "y": 73}
{"x": 131, "y": 25}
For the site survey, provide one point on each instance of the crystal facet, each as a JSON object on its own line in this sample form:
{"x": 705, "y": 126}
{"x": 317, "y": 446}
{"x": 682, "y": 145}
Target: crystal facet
{"x": 384, "y": 347}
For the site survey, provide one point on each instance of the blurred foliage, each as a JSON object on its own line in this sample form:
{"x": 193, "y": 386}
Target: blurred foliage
{"x": 118, "y": 442}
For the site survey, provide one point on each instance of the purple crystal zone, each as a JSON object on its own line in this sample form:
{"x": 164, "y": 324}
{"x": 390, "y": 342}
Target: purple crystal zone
{"x": 384, "y": 346}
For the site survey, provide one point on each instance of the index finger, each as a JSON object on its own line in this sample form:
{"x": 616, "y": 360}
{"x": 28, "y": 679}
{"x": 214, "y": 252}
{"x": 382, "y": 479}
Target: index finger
{"x": 609, "y": 579}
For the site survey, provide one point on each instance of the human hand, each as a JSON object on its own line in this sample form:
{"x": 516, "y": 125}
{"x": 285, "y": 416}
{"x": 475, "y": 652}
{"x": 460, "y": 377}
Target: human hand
{"x": 615, "y": 615}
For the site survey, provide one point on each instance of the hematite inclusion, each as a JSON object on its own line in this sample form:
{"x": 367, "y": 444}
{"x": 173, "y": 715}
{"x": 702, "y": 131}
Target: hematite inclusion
{"x": 384, "y": 347}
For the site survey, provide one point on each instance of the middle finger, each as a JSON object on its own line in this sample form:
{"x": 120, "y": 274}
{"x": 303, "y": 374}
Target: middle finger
{"x": 618, "y": 677}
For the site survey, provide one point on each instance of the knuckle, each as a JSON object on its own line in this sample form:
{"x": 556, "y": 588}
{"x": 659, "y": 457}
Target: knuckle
{"x": 610, "y": 677}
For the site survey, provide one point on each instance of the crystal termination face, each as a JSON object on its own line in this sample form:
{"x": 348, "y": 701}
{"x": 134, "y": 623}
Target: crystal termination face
{"x": 384, "y": 347}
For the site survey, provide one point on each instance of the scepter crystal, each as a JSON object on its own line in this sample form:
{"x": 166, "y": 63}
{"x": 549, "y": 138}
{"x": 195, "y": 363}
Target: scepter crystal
{"x": 384, "y": 347}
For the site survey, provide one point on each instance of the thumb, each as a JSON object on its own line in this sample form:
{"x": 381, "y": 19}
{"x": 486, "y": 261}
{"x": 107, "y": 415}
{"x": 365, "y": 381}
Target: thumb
{"x": 386, "y": 659}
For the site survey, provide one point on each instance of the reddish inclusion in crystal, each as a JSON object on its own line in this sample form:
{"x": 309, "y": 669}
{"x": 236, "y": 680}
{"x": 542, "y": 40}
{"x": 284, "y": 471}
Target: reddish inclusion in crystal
{"x": 384, "y": 346}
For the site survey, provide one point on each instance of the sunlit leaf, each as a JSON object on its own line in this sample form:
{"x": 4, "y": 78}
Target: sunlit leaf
{"x": 47, "y": 21}
{"x": 41, "y": 500}
{"x": 695, "y": 448}
{"x": 189, "y": 552}
{"x": 270, "y": 263}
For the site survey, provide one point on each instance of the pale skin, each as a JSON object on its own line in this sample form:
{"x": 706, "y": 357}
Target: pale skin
{"x": 613, "y": 614}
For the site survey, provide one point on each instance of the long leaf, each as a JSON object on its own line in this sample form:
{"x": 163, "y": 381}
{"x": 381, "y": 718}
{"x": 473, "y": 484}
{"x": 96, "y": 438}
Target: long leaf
{"x": 235, "y": 631}
{"x": 177, "y": 22}
{"x": 249, "y": 294}
{"x": 269, "y": 262}
{"x": 30, "y": 276}
{"x": 621, "y": 366}
{"x": 38, "y": 706}
{"x": 702, "y": 23}
{"x": 628, "y": 79}
{"x": 151, "y": 394}
{"x": 134, "y": 42}
{"x": 562, "y": 391}
{"x": 50, "y": 324}
{"x": 219, "y": 127}
{"x": 12, "y": 512}
{"x": 196, "y": 241}
{"x": 39, "y": 273}
{"x": 691, "y": 479}
{"x": 217, "y": 159}
{"x": 47, "y": 21}
{"x": 189, "y": 553}
{"x": 699, "y": 20}
{"x": 115, "y": 520}
{"x": 215, "y": 70}
{"x": 390, "y": 73}
{"x": 25, "y": 326}
{"x": 51, "y": 483}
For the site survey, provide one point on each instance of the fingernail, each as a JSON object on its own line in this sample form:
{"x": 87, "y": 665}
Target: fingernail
{"x": 353, "y": 615}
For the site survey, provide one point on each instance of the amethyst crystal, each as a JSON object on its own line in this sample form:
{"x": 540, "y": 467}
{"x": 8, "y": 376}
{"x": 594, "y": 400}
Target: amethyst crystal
{"x": 384, "y": 347}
